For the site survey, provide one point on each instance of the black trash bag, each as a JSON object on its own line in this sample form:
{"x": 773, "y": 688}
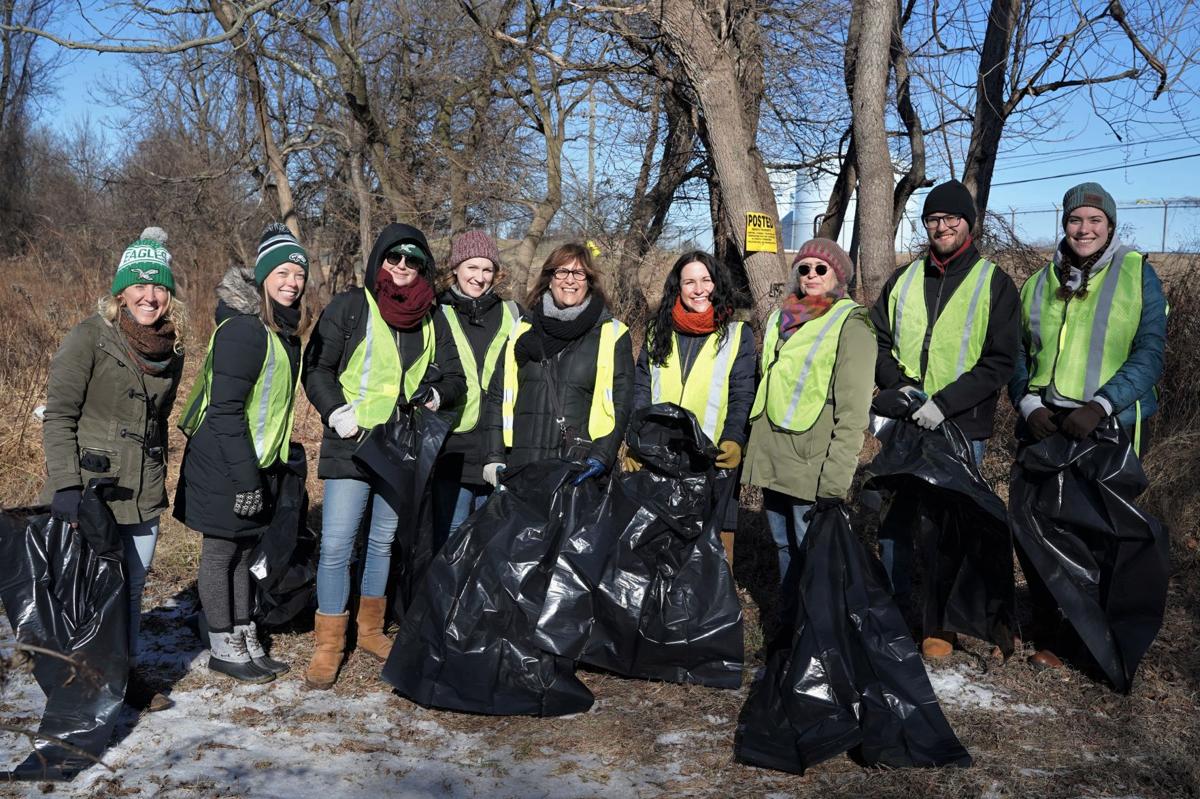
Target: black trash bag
{"x": 61, "y": 594}
{"x": 961, "y": 528}
{"x": 656, "y": 581}
{"x": 398, "y": 458}
{"x": 1105, "y": 561}
{"x": 467, "y": 641}
{"x": 284, "y": 563}
{"x": 843, "y": 674}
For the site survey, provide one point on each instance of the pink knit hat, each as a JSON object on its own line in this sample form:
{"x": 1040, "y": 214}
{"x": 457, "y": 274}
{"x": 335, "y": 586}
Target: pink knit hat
{"x": 473, "y": 244}
{"x": 829, "y": 252}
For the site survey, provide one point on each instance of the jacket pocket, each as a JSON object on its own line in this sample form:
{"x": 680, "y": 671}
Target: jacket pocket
{"x": 98, "y": 462}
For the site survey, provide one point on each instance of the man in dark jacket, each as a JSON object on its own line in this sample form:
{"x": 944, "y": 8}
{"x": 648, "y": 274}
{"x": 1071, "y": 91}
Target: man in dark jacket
{"x": 948, "y": 327}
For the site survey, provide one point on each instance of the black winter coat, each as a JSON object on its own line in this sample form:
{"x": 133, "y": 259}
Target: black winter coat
{"x": 536, "y": 433}
{"x": 970, "y": 401}
{"x": 742, "y": 381}
{"x": 341, "y": 328}
{"x": 219, "y": 460}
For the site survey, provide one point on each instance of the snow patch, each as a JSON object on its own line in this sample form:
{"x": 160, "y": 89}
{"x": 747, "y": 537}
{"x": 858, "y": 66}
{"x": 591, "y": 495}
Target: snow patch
{"x": 958, "y": 686}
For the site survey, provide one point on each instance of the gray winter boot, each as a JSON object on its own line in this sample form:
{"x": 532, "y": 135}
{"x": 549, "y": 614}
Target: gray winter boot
{"x": 227, "y": 655}
{"x": 258, "y": 655}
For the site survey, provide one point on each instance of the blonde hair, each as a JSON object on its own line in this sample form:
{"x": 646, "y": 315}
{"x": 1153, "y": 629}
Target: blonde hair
{"x": 449, "y": 278}
{"x": 268, "y": 315}
{"x": 109, "y": 306}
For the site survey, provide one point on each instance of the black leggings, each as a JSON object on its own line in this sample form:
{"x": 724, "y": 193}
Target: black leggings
{"x": 224, "y": 581}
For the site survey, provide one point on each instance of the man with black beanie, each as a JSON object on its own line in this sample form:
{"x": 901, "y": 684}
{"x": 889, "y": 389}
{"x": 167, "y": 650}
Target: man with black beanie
{"x": 948, "y": 326}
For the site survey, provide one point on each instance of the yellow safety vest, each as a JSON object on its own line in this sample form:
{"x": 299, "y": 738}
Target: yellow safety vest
{"x": 602, "y": 418}
{"x": 270, "y": 407}
{"x": 706, "y": 391}
{"x": 374, "y": 374}
{"x": 797, "y": 375}
{"x": 1079, "y": 344}
{"x": 479, "y": 379}
{"x": 958, "y": 333}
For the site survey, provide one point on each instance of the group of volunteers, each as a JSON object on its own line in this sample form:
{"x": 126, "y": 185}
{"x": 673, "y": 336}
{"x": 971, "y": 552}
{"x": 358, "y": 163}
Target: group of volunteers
{"x": 555, "y": 376}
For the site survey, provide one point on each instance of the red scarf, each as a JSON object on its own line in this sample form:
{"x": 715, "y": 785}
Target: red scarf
{"x": 402, "y": 307}
{"x": 695, "y": 323}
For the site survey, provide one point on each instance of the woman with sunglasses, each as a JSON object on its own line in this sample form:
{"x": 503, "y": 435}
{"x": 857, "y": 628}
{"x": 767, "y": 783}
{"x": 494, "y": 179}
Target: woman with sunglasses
{"x": 374, "y": 348}
{"x": 812, "y": 405}
{"x": 567, "y": 377}
{"x": 698, "y": 358}
{"x": 111, "y": 387}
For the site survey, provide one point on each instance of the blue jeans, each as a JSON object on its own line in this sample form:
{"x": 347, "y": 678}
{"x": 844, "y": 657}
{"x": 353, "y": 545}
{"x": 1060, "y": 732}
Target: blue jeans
{"x": 139, "y": 539}
{"x": 453, "y": 502}
{"x": 785, "y": 519}
{"x": 896, "y": 535}
{"x": 345, "y": 505}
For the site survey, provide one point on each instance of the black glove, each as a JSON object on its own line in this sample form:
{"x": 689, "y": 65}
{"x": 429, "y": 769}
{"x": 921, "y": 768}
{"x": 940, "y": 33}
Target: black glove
{"x": 1082, "y": 421}
{"x": 248, "y": 503}
{"x": 895, "y": 404}
{"x": 823, "y": 504}
{"x": 1041, "y": 423}
{"x": 64, "y": 505}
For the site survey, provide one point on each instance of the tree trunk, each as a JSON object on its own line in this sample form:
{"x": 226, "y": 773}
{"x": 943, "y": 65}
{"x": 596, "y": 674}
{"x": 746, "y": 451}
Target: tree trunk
{"x": 877, "y": 251}
{"x": 990, "y": 113}
{"x": 914, "y": 178}
{"x": 524, "y": 274}
{"x": 839, "y": 196}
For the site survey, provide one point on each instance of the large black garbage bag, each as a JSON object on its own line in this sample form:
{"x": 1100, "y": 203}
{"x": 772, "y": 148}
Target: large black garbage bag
{"x": 284, "y": 563}
{"x": 467, "y": 641}
{"x": 1105, "y": 561}
{"x": 61, "y": 594}
{"x": 650, "y": 578}
{"x": 843, "y": 675}
{"x": 960, "y": 527}
{"x": 399, "y": 458}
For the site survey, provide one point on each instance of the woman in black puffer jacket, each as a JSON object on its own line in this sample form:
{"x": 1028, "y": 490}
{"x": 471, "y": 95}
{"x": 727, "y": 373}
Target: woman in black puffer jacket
{"x": 566, "y": 385}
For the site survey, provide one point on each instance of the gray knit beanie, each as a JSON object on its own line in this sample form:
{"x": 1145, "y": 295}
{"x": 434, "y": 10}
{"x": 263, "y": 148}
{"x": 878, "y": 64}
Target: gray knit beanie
{"x": 1092, "y": 195}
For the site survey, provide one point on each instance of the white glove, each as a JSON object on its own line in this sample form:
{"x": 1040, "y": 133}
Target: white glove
{"x": 343, "y": 422}
{"x": 435, "y": 400}
{"x": 491, "y": 474}
{"x": 929, "y": 415}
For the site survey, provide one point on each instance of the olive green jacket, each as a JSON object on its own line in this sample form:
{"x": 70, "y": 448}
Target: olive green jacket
{"x": 820, "y": 462}
{"x": 100, "y": 404}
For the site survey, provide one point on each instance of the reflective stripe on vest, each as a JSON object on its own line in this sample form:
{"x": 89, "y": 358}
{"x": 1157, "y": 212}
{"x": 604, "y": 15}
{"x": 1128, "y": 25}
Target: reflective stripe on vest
{"x": 602, "y": 418}
{"x": 1080, "y": 343}
{"x": 269, "y": 408}
{"x": 479, "y": 379}
{"x": 705, "y": 392}
{"x": 796, "y": 376}
{"x": 374, "y": 374}
{"x": 956, "y": 341}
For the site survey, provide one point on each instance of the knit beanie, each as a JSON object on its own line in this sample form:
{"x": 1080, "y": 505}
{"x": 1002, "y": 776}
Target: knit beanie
{"x": 829, "y": 252}
{"x": 145, "y": 261}
{"x": 1092, "y": 195}
{"x": 278, "y": 246}
{"x": 473, "y": 244}
{"x": 951, "y": 197}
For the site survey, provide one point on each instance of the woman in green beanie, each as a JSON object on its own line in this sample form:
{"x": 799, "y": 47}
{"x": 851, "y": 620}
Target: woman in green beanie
{"x": 239, "y": 421}
{"x": 111, "y": 387}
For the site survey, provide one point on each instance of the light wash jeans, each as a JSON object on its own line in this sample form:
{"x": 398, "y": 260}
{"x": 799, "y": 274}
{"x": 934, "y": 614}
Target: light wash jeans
{"x": 785, "y": 519}
{"x": 896, "y": 536}
{"x": 345, "y": 504}
{"x": 453, "y": 502}
{"x": 139, "y": 539}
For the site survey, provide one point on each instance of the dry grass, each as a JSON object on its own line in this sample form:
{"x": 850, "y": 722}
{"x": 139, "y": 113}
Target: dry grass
{"x": 1094, "y": 743}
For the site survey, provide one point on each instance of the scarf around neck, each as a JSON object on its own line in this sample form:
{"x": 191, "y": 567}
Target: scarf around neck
{"x": 554, "y": 328}
{"x": 402, "y": 307}
{"x": 795, "y": 311}
{"x": 694, "y": 323}
{"x": 153, "y": 346}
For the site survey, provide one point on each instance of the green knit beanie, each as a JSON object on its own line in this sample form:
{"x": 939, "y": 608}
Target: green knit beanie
{"x": 145, "y": 261}
{"x": 278, "y": 246}
{"x": 1092, "y": 195}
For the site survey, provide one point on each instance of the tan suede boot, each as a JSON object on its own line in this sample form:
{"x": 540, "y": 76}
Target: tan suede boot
{"x": 370, "y": 626}
{"x": 329, "y": 633}
{"x": 727, "y": 542}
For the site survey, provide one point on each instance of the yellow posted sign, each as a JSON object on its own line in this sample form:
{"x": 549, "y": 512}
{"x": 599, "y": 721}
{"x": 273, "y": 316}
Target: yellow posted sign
{"x": 760, "y": 233}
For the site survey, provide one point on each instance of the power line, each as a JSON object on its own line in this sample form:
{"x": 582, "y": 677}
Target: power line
{"x": 1095, "y": 170}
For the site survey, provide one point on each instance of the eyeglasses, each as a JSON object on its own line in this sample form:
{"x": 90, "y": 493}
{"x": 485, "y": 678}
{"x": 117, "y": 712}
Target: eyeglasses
{"x": 804, "y": 269}
{"x": 398, "y": 258}
{"x": 951, "y": 221}
{"x": 574, "y": 274}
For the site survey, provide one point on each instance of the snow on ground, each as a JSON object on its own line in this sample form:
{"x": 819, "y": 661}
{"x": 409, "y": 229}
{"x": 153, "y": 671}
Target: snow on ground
{"x": 963, "y": 688}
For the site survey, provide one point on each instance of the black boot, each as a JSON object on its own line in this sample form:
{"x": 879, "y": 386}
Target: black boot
{"x": 258, "y": 655}
{"x": 228, "y": 656}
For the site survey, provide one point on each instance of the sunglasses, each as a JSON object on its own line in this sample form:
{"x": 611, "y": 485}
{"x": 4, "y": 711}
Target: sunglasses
{"x": 412, "y": 256}
{"x": 804, "y": 269}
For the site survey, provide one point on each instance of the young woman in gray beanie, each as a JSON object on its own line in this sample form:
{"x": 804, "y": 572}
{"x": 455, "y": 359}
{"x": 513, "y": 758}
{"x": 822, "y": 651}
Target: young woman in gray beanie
{"x": 111, "y": 387}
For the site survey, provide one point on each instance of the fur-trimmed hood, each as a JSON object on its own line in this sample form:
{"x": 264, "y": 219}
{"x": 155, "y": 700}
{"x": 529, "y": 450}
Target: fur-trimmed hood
{"x": 237, "y": 293}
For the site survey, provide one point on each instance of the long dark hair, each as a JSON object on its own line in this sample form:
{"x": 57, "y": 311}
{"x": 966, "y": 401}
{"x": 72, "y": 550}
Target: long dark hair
{"x": 563, "y": 256}
{"x": 660, "y": 327}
